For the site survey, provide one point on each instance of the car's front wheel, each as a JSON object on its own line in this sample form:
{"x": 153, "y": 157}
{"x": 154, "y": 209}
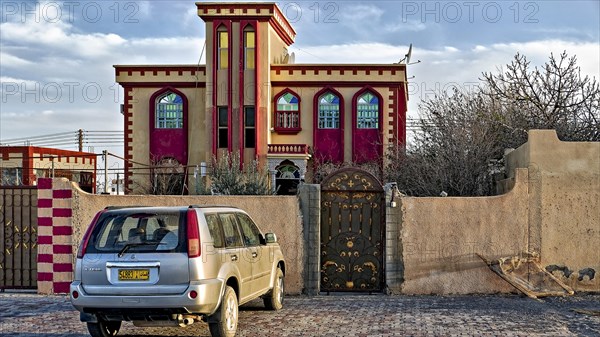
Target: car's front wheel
{"x": 224, "y": 321}
{"x": 274, "y": 300}
{"x": 104, "y": 328}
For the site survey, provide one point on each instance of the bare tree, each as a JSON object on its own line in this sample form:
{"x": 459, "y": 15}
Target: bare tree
{"x": 555, "y": 96}
{"x": 451, "y": 153}
{"x": 460, "y": 147}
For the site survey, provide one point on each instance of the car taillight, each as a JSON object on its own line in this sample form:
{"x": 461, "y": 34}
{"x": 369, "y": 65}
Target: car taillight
{"x": 193, "y": 235}
{"x": 86, "y": 236}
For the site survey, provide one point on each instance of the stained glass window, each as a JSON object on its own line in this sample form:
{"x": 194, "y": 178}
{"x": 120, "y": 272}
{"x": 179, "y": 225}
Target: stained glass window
{"x": 169, "y": 111}
{"x": 287, "y": 112}
{"x": 367, "y": 114}
{"x": 287, "y": 172}
{"x": 329, "y": 111}
{"x": 287, "y": 178}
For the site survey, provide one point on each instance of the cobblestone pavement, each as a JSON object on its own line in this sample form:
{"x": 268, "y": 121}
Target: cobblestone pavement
{"x": 353, "y": 315}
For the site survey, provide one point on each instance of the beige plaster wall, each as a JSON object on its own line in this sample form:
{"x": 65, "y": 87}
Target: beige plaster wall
{"x": 198, "y": 123}
{"x": 553, "y": 209}
{"x": 276, "y": 47}
{"x": 564, "y": 204}
{"x": 277, "y": 214}
{"x": 46, "y": 163}
{"x": 14, "y": 160}
{"x": 441, "y": 237}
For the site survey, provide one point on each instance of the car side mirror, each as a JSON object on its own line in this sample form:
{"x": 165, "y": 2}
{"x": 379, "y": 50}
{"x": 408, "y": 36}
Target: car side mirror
{"x": 271, "y": 238}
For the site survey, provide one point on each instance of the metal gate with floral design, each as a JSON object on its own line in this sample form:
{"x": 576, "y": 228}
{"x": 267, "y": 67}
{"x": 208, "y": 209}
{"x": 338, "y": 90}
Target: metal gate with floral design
{"x": 352, "y": 221}
{"x": 18, "y": 237}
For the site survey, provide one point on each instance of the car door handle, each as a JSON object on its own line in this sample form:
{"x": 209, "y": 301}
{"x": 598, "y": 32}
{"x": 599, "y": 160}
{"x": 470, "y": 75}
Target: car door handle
{"x": 234, "y": 258}
{"x": 254, "y": 254}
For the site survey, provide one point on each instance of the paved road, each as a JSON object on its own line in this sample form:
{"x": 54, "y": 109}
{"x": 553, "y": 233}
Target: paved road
{"x": 29, "y": 315}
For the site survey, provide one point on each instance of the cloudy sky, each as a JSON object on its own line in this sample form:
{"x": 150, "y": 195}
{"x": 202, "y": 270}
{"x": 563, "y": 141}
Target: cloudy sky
{"x": 56, "y": 57}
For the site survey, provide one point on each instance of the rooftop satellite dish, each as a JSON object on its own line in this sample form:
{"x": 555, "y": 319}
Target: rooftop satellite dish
{"x": 408, "y": 55}
{"x": 285, "y": 56}
{"x": 406, "y": 59}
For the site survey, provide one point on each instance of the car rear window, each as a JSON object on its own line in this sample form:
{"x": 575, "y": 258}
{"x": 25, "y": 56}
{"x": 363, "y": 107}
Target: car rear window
{"x": 140, "y": 231}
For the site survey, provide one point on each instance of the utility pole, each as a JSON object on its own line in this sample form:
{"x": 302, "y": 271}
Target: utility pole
{"x": 105, "y": 154}
{"x": 80, "y": 139}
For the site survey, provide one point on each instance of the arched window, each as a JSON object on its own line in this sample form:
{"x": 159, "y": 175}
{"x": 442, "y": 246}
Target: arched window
{"x": 287, "y": 112}
{"x": 329, "y": 111}
{"x": 169, "y": 111}
{"x": 287, "y": 178}
{"x": 367, "y": 111}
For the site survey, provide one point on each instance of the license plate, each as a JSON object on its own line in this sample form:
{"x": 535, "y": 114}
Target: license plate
{"x": 134, "y": 274}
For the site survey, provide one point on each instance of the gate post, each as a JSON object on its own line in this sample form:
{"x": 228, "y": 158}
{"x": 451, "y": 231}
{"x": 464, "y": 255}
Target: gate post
{"x": 310, "y": 206}
{"x": 394, "y": 265}
{"x": 55, "y": 241}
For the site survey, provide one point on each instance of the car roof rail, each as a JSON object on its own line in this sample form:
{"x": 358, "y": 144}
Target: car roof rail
{"x": 212, "y": 206}
{"x": 108, "y": 208}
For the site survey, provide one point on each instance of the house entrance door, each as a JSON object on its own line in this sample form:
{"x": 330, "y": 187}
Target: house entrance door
{"x": 352, "y": 230}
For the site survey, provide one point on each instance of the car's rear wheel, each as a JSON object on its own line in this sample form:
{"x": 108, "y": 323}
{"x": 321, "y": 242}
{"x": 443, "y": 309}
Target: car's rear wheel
{"x": 224, "y": 322}
{"x": 274, "y": 300}
{"x": 104, "y": 328}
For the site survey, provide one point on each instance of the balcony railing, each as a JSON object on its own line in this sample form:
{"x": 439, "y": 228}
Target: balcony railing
{"x": 287, "y": 122}
{"x": 288, "y": 149}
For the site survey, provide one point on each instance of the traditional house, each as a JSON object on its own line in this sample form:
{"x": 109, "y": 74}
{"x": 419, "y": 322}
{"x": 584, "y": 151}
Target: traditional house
{"x": 23, "y": 165}
{"x": 250, "y": 98}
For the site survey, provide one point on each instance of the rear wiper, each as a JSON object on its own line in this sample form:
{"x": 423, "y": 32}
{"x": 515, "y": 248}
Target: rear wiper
{"x": 129, "y": 245}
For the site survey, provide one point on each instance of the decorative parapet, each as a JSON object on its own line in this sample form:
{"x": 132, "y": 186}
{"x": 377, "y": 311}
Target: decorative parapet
{"x": 384, "y": 74}
{"x": 288, "y": 149}
{"x": 270, "y": 12}
{"x": 151, "y": 74}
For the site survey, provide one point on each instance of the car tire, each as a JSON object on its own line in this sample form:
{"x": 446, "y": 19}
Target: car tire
{"x": 274, "y": 300}
{"x": 224, "y": 321}
{"x": 104, "y": 328}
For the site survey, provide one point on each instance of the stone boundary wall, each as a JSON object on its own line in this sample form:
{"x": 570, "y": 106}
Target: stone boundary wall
{"x": 66, "y": 211}
{"x": 439, "y": 239}
{"x": 550, "y": 206}
{"x": 564, "y": 205}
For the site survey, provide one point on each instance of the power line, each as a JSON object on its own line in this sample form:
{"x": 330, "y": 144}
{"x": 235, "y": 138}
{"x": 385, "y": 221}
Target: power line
{"x": 70, "y": 139}
{"x": 37, "y": 137}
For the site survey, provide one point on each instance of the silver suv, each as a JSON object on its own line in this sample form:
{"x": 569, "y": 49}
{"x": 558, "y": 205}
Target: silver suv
{"x": 173, "y": 266}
